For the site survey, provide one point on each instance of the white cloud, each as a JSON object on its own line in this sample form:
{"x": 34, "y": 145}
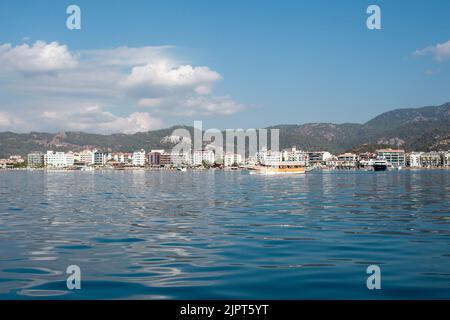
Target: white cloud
{"x": 211, "y": 105}
{"x": 90, "y": 88}
{"x": 163, "y": 77}
{"x": 431, "y": 72}
{"x": 5, "y": 120}
{"x": 135, "y": 122}
{"x": 9, "y": 121}
{"x": 93, "y": 118}
{"x": 149, "y": 102}
{"x": 38, "y": 58}
{"x": 440, "y": 52}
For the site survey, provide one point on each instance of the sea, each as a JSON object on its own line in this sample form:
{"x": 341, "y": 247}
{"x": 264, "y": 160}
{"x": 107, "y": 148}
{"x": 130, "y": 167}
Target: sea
{"x": 143, "y": 234}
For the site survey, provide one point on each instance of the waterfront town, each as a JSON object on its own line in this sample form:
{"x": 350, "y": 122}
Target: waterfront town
{"x": 91, "y": 159}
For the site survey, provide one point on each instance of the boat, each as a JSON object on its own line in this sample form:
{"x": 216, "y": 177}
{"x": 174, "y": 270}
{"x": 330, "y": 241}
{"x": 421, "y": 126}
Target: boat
{"x": 280, "y": 169}
{"x": 380, "y": 165}
{"x": 183, "y": 169}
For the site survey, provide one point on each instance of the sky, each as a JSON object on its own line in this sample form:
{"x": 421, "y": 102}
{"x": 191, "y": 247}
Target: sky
{"x": 144, "y": 65}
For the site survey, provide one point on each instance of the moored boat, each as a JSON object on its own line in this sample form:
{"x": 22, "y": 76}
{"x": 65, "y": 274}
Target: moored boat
{"x": 380, "y": 165}
{"x": 280, "y": 169}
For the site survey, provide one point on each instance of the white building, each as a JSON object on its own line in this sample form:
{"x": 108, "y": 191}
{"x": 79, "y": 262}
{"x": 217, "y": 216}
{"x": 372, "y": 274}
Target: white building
{"x": 319, "y": 156}
{"x": 202, "y": 155}
{"x": 348, "y": 160}
{"x": 294, "y": 155}
{"x": 395, "y": 157}
{"x": 415, "y": 160}
{"x": 230, "y": 159}
{"x": 332, "y": 162}
{"x": 58, "y": 159}
{"x": 289, "y": 156}
{"x": 269, "y": 157}
{"x": 100, "y": 158}
{"x": 139, "y": 158}
{"x": 86, "y": 156}
{"x": 175, "y": 158}
{"x": 35, "y": 159}
{"x": 122, "y": 157}
{"x": 446, "y": 159}
{"x": 431, "y": 159}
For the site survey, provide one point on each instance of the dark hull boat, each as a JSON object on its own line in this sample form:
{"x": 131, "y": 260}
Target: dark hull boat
{"x": 380, "y": 166}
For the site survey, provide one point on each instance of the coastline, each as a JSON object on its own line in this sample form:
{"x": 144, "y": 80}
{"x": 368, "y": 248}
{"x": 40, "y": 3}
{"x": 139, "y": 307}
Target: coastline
{"x": 162, "y": 169}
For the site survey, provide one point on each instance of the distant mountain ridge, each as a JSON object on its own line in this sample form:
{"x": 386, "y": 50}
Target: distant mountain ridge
{"x": 419, "y": 129}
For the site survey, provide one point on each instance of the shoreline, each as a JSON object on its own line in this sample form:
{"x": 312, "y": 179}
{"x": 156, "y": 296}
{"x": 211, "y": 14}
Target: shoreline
{"x": 212, "y": 169}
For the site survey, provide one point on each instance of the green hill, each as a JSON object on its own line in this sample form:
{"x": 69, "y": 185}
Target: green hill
{"x": 419, "y": 129}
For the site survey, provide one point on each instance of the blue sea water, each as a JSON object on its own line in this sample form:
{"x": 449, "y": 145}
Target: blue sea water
{"x": 220, "y": 235}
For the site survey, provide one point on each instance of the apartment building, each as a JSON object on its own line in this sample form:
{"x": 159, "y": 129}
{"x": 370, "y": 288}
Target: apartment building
{"x": 200, "y": 156}
{"x": 139, "y": 158}
{"x": 231, "y": 159}
{"x": 35, "y": 159}
{"x": 58, "y": 159}
{"x": 396, "y": 157}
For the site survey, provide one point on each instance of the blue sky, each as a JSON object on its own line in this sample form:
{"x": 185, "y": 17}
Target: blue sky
{"x": 252, "y": 63}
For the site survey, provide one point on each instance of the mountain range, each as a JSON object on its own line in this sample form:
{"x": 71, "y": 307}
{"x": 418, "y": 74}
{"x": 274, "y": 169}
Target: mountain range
{"x": 418, "y": 129}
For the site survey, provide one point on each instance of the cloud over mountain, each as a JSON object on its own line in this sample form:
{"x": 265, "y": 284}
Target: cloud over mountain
{"x": 46, "y": 86}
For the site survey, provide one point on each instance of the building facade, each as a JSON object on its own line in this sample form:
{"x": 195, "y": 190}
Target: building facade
{"x": 413, "y": 160}
{"x": 58, "y": 159}
{"x": 431, "y": 159}
{"x": 446, "y": 159}
{"x": 396, "y": 157}
{"x": 139, "y": 158}
{"x": 35, "y": 159}
{"x": 100, "y": 158}
{"x": 154, "y": 157}
{"x": 319, "y": 156}
{"x": 231, "y": 159}
{"x": 175, "y": 158}
{"x": 200, "y": 156}
{"x": 86, "y": 157}
{"x": 348, "y": 160}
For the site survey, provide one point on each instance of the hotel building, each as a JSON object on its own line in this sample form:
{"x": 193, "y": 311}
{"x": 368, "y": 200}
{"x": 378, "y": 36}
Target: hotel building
{"x": 122, "y": 157}
{"x": 175, "y": 158}
{"x": 154, "y": 157}
{"x": 414, "y": 160}
{"x": 139, "y": 158}
{"x": 319, "y": 156}
{"x": 347, "y": 160}
{"x": 446, "y": 159}
{"x": 86, "y": 157}
{"x": 269, "y": 157}
{"x": 58, "y": 159}
{"x": 35, "y": 159}
{"x": 294, "y": 155}
{"x": 395, "y": 157}
{"x": 431, "y": 159}
{"x": 100, "y": 158}
{"x": 201, "y": 156}
{"x": 231, "y": 159}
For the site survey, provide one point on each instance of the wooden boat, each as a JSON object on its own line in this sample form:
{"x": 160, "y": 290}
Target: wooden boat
{"x": 280, "y": 169}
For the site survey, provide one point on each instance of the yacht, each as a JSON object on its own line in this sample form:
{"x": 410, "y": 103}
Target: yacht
{"x": 380, "y": 165}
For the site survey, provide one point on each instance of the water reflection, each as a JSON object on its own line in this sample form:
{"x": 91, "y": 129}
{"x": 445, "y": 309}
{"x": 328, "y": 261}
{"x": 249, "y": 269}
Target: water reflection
{"x": 224, "y": 234}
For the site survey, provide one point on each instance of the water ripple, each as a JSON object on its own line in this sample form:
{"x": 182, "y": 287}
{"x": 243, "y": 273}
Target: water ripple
{"x": 193, "y": 235}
